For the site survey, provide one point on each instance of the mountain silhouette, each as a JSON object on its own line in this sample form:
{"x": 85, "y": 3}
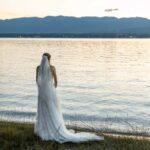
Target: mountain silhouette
{"x": 82, "y": 25}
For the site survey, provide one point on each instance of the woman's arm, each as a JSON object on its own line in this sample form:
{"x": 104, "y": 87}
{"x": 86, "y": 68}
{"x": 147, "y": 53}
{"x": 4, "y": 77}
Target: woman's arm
{"x": 54, "y": 75}
{"x": 37, "y": 68}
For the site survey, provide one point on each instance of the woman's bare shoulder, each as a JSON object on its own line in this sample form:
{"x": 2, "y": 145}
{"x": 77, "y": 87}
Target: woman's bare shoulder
{"x": 37, "y": 68}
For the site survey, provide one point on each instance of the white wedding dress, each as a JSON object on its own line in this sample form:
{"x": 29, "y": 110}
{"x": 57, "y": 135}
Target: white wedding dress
{"x": 49, "y": 123}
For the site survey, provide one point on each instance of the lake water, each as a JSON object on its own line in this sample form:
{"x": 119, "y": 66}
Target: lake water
{"x": 104, "y": 83}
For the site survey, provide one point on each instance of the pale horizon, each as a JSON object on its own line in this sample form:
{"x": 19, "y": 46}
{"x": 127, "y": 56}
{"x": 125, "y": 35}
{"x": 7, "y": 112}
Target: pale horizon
{"x": 76, "y": 8}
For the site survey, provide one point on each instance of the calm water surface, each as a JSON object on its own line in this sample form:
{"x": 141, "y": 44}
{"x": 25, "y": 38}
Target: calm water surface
{"x": 101, "y": 82}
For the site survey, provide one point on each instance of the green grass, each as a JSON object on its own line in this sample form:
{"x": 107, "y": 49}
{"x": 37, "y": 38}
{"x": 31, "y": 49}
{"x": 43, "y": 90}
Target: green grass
{"x": 17, "y": 136}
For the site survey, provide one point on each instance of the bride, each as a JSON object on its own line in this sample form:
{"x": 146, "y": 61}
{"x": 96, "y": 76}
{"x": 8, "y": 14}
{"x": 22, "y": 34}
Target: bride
{"x": 49, "y": 123}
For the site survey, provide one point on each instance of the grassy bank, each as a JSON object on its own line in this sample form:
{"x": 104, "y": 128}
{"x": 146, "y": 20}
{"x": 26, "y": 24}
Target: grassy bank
{"x": 17, "y": 136}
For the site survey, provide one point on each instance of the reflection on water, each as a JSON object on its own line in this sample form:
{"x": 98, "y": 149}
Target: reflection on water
{"x": 103, "y": 81}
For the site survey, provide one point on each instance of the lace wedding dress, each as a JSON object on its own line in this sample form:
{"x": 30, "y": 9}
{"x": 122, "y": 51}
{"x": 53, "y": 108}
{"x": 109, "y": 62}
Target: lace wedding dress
{"x": 49, "y": 123}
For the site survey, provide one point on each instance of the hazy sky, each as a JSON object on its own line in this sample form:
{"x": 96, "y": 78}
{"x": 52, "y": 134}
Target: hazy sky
{"x": 41, "y": 8}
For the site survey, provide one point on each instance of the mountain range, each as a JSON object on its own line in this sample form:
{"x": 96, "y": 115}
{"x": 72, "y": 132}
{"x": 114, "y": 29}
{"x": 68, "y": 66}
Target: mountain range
{"x": 74, "y": 25}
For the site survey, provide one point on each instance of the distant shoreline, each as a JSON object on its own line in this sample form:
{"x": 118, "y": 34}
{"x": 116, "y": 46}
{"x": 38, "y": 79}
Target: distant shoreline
{"x": 72, "y": 35}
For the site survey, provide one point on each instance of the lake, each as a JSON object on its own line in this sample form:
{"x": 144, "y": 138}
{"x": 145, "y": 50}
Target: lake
{"x": 102, "y": 83}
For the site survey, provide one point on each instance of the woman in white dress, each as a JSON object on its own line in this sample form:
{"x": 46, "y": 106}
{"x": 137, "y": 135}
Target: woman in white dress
{"x": 49, "y": 123}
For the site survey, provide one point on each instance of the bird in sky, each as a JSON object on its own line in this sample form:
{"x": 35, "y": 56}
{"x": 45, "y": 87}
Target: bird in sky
{"x": 111, "y": 9}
